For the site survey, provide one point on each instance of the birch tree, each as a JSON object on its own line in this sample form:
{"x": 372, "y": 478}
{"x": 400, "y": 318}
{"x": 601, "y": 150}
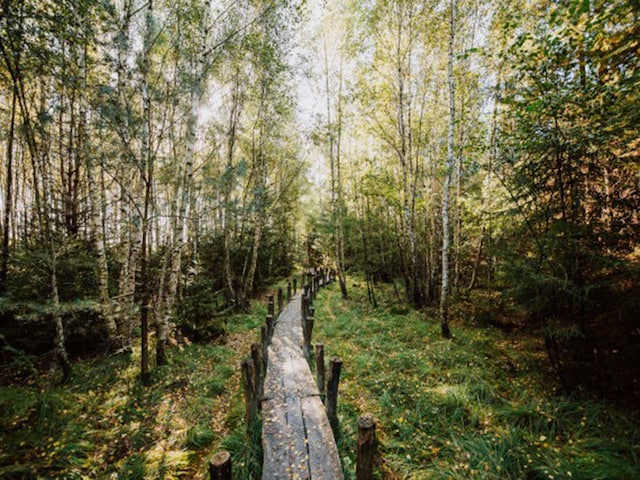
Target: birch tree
{"x": 446, "y": 233}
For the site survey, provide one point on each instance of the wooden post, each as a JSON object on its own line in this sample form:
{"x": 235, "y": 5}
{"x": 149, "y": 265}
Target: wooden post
{"x": 279, "y": 300}
{"x": 271, "y": 309}
{"x": 250, "y": 397}
{"x": 307, "y": 331}
{"x": 271, "y": 326}
{"x": 295, "y": 285}
{"x": 332, "y": 392}
{"x": 304, "y": 308}
{"x": 259, "y": 371}
{"x": 320, "y": 369}
{"x": 288, "y": 291}
{"x": 366, "y": 447}
{"x": 220, "y": 466}
{"x": 264, "y": 339}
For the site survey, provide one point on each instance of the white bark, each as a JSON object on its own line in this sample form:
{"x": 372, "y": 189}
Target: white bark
{"x": 444, "y": 292}
{"x": 181, "y": 225}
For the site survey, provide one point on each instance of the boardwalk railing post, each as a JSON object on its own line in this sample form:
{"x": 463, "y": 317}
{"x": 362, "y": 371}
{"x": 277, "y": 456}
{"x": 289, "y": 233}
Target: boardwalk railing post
{"x": 220, "y": 466}
{"x": 259, "y": 370}
{"x": 332, "y": 393}
{"x": 271, "y": 308}
{"x": 271, "y": 326}
{"x": 366, "y": 447}
{"x": 250, "y": 397}
{"x": 288, "y": 291}
{"x": 303, "y": 309}
{"x": 307, "y": 332}
{"x": 264, "y": 340}
{"x": 279, "y": 300}
{"x": 320, "y": 369}
{"x": 295, "y": 285}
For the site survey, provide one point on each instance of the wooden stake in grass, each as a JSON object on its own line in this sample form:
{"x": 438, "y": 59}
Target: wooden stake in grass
{"x": 295, "y": 285}
{"x": 288, "y": 291}
{"x": 332, "y": 393}
{"x": 250, "y": 397}
{"x": 220, "y": 466}
{"x": 271, "y": 308}
{"x": 366, "y": 447}
{"x": 271, "y": 326}
{"x": 307, "y": 332}
{"x": 259, "y": 370}
{"x": 320, "y": 369}
{"x": 304, "y": 306}
{"x": 264, "y": 340}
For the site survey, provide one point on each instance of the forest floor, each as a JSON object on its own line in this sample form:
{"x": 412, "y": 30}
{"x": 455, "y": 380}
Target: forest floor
{"x": 483, "y": 405}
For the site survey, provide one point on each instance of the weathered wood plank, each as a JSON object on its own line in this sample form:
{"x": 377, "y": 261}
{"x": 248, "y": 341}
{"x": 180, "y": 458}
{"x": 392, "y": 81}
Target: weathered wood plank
{"x": 298, "y": 454}
{"x": 324, "y": 461}
{"x": 297, "y": 439}
{"x": 274, "y": 440}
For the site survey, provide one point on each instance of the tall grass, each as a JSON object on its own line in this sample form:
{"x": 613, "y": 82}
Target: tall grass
{"x": 482, "y": 405}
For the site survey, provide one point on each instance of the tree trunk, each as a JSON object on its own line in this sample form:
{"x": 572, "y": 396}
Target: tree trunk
{"x": 145, "y": 301}
{"x": 8, "y": 206}
{"x": 444, "y": 292}
{"x": 337, "y": 203}
{"x": 97, "y": 219}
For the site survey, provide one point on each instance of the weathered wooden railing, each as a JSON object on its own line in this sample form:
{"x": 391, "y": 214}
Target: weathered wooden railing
{"x": 297, "y": 429}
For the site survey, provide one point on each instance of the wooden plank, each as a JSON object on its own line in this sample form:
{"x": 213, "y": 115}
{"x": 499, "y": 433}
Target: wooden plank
{"x": 274, "y": 441}
{"x": 297, "y": 439}
{"x": 298, "y": 454}
{"x": 324, "y": 460}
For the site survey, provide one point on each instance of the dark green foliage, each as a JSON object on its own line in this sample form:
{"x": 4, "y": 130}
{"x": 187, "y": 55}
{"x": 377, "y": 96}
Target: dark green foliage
{"x": 569, "y": 157}
{"x": 85, "y": 329}
{"x": 197, "y": 312}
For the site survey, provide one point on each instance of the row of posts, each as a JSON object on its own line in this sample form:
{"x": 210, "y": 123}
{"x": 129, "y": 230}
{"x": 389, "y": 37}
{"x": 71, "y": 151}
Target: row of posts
{"x": 254, "y": 373}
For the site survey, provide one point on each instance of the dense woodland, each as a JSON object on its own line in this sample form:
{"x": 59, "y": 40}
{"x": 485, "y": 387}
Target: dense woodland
{"x": 474, "y": 163}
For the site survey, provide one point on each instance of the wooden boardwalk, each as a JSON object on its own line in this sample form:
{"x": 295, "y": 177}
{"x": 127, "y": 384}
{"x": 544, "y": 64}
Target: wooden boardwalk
{"x": 297, "y": 439}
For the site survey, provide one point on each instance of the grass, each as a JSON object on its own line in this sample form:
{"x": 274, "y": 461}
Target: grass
{"x": 105, "y": 424}
{"x": 482, "y": 405}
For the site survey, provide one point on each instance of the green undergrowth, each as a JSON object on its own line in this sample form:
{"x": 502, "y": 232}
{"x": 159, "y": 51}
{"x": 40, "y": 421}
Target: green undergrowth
{"x": 482, "y": 405}
{"x": 105, "y": 424}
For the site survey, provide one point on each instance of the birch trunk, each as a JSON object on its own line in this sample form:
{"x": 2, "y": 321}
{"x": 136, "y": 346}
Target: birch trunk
{"x": 97, "y": 220}
{"x": 444, "y": 292}
{"x": 46, "y": 227}
{"x": 8, "y": 196}
{"x": 130, "y": 238}
{"x": 181, "y": 226}
{"x": 334, "y": 134}
{"x": 145, "y": 301}
{"x": 259, "y": 197}
{"x": 234, "y": 117}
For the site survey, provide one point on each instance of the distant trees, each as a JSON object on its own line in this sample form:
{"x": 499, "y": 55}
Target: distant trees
{"x": 398, "y": 168}
{"x": 114, "y": 144}
{"x": 491, "y": 145}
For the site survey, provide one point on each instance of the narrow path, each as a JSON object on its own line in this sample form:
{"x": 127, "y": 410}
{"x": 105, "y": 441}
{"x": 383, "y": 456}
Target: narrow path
{"x": 296, "y": 436}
